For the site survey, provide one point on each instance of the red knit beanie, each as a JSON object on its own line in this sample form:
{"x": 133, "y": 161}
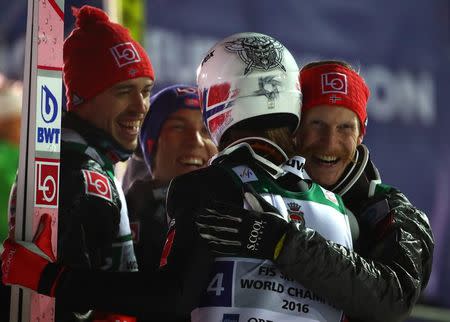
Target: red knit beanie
{"x": 335, "y": 85}
{"x": 98, "y": 54}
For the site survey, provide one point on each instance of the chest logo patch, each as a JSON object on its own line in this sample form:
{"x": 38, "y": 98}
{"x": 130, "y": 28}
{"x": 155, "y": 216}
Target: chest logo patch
{"x": 331, "y": 196}
{"x": 97, "y": 184}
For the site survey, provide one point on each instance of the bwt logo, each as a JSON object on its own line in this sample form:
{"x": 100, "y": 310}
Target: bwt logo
{"x": 49, "y": 105}
{"x": 48, "y": 135}
{"x": 49, "y": 112}
{"x": 47, "y": 178}
{"x": 334, "y": 83}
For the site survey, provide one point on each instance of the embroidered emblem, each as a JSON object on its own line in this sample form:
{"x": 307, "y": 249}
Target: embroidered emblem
{"x": 125, "y": 54}
{"x": 334, "y": 83}
{"x": 334, "y": 99}
{"x": 294, "y": 212}
{"x": 132, "y": 72}
{"x": 97, "y": 184}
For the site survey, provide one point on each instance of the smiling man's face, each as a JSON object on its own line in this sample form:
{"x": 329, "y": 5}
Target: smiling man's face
{"x": 327, "y": 138}
{"x": 183, "y": 145}
{"x": 119, "y": 110}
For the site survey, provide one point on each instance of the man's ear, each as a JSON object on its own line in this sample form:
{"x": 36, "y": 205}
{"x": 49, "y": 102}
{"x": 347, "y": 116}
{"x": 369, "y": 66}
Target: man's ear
{"x": 294, "y": 140}
{"x": 360, "y": 139}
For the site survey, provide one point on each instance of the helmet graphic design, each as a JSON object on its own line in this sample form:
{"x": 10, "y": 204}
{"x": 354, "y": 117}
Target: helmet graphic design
{"x": 249, "y": 79}
{"x": 258, "y": 52}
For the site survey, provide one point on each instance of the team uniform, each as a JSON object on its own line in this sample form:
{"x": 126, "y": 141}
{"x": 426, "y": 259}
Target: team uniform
{"x": 93, "y": 226}
{"x": 244, "y": 289}
{"x": 93, "y": 218}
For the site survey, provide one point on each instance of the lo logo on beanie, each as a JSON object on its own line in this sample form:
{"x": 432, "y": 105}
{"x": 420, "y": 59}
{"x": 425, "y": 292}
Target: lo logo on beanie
{"x": 125, "y": 54}
{"x": 334, "y": 83}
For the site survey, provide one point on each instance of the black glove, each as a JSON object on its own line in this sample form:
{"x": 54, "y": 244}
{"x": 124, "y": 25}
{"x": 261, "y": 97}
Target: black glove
{"x": 233, "y": 231}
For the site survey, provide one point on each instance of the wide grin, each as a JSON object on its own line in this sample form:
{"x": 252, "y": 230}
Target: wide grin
{"x": 192, "y": 161}
{"x": 326, "y": 159}
{"x": 130, "y": 127}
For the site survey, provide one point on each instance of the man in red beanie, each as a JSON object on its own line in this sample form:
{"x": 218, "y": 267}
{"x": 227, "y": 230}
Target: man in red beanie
{"x": 334, "y": 107}
{"x": 108, "y": 78}
{"x": 391, "y": 263}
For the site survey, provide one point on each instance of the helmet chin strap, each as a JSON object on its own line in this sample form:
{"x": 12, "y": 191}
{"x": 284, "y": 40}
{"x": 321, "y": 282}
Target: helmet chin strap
{"x": 265, "y": 148}
{"x": 268, "y": 155}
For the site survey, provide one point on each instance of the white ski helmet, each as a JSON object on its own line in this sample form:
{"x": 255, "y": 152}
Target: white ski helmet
{"x": 248, "y": 77}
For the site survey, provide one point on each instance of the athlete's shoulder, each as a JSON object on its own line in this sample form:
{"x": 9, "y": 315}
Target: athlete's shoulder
{"x": 87, "y": 180}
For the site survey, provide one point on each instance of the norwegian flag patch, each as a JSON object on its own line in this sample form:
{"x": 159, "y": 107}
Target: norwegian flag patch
{"x": 97, "y": 184}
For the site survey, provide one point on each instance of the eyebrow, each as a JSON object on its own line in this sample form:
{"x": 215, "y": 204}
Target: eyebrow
{"x": 129, "y": 86}
{"x": 350, "y": 122}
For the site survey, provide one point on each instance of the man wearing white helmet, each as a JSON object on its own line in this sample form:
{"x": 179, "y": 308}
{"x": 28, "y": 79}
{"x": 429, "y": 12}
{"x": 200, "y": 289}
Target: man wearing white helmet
{"x": 251, "y": 101}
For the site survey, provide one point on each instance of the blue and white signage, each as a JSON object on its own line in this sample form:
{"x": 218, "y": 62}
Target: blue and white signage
{"x": 48, "y": 114}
